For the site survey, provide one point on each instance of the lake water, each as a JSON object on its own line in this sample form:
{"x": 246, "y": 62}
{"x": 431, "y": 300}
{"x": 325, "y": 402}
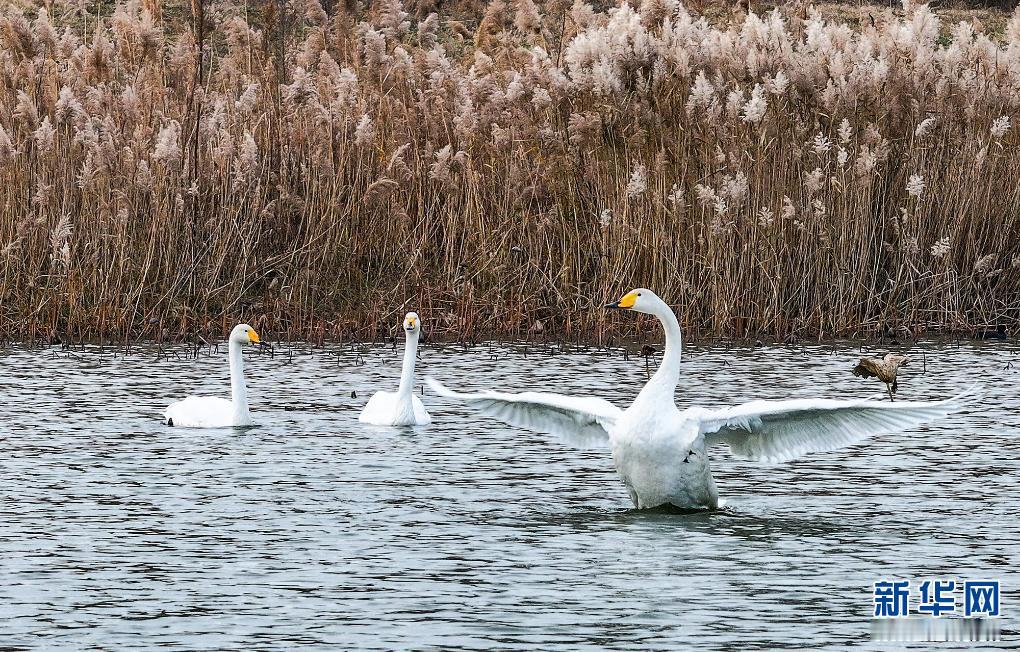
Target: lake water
{"x": 117, "y": 532}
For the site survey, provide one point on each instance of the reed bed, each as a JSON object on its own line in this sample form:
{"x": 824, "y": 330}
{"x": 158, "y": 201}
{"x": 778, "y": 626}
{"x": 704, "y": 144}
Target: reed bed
{"x": 318, "y": 169}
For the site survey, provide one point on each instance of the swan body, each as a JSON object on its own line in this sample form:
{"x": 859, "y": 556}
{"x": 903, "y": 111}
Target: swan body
{"x": 651, "y": 431}
{"x": 662, "y": 453}
{"x": 400, "y": 408}
{"x": 215, "y": 412}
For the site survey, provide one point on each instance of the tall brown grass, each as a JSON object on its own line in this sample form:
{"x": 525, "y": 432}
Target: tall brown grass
{"x": 319, "y": 173}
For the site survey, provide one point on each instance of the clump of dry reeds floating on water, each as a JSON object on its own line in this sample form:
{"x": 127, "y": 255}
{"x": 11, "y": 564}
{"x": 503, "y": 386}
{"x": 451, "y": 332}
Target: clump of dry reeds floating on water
{"x": 173, "y": 168}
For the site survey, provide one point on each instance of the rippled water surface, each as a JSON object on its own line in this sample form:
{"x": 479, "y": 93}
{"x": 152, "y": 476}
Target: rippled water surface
{"x": 117, "y": 532}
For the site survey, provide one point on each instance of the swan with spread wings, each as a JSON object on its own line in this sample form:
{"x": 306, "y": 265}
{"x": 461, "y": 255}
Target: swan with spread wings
{"x": 662, "y": 453}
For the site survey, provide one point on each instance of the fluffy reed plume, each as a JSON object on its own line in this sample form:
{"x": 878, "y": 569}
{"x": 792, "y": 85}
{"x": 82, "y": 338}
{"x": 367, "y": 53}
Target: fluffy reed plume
{"x": 310, "y": 167}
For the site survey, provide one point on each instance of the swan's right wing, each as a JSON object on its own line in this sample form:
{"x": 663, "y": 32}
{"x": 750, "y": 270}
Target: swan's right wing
{"x": 582, "y": 422}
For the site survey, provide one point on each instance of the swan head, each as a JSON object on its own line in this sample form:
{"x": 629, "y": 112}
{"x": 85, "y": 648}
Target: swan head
{"x": 640, "y": 300}
{"x": 244, "y": 334}
{"x": 412, "y": 324}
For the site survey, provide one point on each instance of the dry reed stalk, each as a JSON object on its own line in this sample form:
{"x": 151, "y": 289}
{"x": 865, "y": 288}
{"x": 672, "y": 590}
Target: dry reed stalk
{"x": 314, "y": 171}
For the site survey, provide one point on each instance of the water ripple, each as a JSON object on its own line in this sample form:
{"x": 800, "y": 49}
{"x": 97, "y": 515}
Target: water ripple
{"x": 312, "y": 530}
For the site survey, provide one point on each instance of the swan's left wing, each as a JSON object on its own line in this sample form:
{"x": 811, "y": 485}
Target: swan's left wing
{"x": 778, "y": 431}
{"x": 582, "y": 421}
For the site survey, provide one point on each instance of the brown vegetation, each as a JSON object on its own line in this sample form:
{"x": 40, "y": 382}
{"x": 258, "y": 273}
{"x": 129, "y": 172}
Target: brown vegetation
{"x": 316, "y": 168}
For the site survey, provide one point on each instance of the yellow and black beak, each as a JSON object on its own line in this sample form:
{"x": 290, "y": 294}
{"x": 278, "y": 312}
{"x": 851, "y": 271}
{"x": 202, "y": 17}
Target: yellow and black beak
{"x": 626, "y": 303}
{"x": 253, "y": 337}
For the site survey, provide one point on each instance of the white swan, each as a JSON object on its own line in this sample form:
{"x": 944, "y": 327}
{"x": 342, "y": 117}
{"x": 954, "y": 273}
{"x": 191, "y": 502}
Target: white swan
{"x": 661, "y": 453}
{"x": 402, "y": 408}
{"x": 214, "y": 412}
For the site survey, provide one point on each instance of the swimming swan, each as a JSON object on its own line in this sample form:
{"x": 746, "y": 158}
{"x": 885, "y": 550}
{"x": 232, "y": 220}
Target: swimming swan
{"x": 661, "y": 453}
{"x": 214, "y": 412}
{"x": 402, "y": 408}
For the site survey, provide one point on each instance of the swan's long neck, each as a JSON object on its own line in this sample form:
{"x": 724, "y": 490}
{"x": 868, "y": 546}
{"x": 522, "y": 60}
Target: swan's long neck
{"x": 407, "y": 371}
{"x": 667, "y": 375}
{"x": 238, "y": 391}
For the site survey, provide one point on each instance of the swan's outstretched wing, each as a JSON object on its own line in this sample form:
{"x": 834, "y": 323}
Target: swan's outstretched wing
{"x": 581, "y": 421}
{"x": 778, "y": 431}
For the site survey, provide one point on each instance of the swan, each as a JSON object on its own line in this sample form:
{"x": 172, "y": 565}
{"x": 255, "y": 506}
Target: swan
{"x": 214, "y": 412}
{"x": 662, "y": 453}
{"x": 402, "y": 408}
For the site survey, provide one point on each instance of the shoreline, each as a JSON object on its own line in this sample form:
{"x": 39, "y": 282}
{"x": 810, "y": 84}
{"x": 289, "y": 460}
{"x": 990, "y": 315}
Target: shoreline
{"x": 621, "y": 341}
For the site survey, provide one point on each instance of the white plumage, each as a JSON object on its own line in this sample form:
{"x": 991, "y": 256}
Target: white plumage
{"x": 661, "y": 453}
{"x": 400, "y": 408}
{"x": 390, "y": 409}
{"x": 203, "y": 412}
{"x": 215, "y": 412}
{"x": 779, "y": 431}
{"x": 583, "y": 422}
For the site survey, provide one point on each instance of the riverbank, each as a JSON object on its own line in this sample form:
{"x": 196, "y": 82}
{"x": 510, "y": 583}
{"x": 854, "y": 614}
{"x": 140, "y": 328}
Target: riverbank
{"x": 317, "y": 174}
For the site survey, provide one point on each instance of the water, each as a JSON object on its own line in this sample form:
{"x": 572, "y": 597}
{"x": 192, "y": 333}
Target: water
{"x": 117, "y": 532}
